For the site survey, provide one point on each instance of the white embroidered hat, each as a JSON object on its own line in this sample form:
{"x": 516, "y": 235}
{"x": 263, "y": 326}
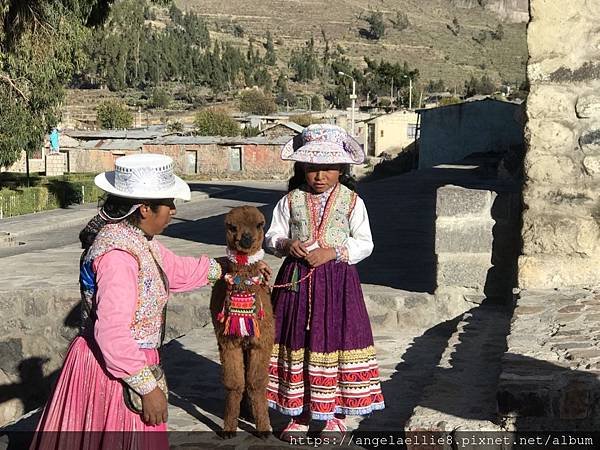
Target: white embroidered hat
{"x": 143, "y": 176}
{"x": 323, "y": 144}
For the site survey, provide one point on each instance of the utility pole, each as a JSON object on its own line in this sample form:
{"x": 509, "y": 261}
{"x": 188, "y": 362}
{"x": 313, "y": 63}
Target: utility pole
{"x": 353, "y": 98}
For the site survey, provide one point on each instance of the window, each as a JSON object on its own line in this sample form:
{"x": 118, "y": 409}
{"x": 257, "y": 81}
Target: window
{"x": 235, "y": 159}
{"x": 381, "y": 133}
{"x": 411, "y": 130}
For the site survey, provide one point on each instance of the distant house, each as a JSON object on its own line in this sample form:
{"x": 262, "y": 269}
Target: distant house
{"x": 289, "y": 129}
{"x": 450, "y": 133}
{"x": 390, "y": 133}
{"x": 215, "y": 156}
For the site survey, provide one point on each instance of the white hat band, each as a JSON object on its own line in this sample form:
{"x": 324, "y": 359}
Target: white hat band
{"x": 143, "y": 179}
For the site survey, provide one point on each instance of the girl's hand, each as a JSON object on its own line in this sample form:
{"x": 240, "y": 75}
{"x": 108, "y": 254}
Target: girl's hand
{"x": 265, "y": 270}
{"x": 154, "y": 407}
{"x": 297, "y": 249}
{"x": 320, "y": 256}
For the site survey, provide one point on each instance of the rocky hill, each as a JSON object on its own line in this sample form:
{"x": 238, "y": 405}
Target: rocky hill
{"x": 446, "y": 39}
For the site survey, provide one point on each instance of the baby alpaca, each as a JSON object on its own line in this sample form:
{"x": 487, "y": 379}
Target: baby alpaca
{"x": 242, "y": 317}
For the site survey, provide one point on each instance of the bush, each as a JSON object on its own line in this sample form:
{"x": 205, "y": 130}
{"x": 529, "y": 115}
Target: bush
{"x": 376, "y": 25}
{"x": 256, "y": 102}
{"x": 59, "y": 192}
{"x": 215, "y": 122}
{"x": 250, "y": 131}
{"x": 175, "y": 126}
{"x": 160, "y": 98}
{"x": 112, "y": 114}
{"x": 305, "y": 119}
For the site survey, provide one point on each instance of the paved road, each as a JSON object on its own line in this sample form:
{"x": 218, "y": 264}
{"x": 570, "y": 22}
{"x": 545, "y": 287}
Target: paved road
{"x": 222, "y": 198}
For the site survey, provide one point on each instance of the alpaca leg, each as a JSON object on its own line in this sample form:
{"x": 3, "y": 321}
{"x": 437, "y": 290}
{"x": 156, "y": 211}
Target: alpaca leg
{"x": 232, "y": 361}
{"x": 257, "y": 380}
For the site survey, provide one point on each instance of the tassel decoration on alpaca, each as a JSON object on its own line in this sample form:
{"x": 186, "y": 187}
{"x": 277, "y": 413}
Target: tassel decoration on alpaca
{"x": 239, "y": 315}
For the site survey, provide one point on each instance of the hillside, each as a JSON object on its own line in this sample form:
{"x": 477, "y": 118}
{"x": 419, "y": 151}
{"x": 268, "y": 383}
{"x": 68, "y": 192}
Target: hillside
{"x": 427, "y": 44}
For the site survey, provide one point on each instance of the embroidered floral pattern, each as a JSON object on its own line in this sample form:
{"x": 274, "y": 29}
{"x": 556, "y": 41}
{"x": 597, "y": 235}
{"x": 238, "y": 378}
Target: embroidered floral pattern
{"x": 142, "y": 382}
{"x": 314, "y": 217}
{"x": 215, "y": 271}
{"x": 152, "y": 284}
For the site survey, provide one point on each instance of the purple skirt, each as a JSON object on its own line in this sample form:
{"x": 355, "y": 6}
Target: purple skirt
{"x": 329, "y": 368}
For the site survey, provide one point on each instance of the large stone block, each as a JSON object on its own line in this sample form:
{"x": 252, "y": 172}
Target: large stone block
{"x": 550, "y": 272}
{"x": 552, "y": 11}
{"x": 455, "y": 201}
{"x": 589, "y": 141}
{"x": 469, "y": 270}
{"x": 542, "y": 44}
{"x": 551, "y": 169}
{"x": 550, "y": 136}
{"x": 592, "y": 165}
{"x": 550, "y": 101}
{"x": 559, "y": 235}
{"x": 463, "y": 235}
{"x": 588, "y": 106}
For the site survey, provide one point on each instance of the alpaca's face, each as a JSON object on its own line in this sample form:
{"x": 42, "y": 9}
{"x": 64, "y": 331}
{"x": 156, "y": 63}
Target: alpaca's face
{"x": 245, "y": 229}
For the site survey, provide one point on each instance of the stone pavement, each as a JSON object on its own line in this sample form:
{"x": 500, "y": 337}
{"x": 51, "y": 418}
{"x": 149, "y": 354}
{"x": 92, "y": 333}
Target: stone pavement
{"x": 551, "y": 370}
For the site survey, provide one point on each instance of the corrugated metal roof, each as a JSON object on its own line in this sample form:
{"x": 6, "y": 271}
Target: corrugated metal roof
{"x": 113, "y": 144}
{"x": 218, "y": 140}
{"x": 132, "y": 133}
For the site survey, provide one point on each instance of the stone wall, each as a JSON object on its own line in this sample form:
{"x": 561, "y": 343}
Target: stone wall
{"x": 476, "y": 235}
{"x": 562, "y": 165}
{"x": 35, "y": 164}
{"x": 56, "y": 164}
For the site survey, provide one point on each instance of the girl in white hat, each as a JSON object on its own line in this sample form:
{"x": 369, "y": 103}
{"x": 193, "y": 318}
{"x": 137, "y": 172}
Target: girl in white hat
{"x": 323, "y": 364}
{"x": 111, "y": 389}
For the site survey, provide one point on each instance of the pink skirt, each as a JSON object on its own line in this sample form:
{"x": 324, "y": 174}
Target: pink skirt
{"x": 86, "y": 410}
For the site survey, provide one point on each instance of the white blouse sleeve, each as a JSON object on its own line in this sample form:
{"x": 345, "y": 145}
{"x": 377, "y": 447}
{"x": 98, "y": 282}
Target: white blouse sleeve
{"x": 360, "y": 242}
{"x": 280, "y": 227}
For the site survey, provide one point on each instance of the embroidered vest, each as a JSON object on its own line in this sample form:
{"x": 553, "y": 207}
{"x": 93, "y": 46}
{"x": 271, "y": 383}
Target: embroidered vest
{"x": 146, "y": 323}
{"x": 334, "y": 227}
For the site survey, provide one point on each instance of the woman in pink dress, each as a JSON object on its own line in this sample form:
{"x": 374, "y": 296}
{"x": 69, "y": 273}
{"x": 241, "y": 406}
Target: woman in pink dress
{"x": 126, "y": 277}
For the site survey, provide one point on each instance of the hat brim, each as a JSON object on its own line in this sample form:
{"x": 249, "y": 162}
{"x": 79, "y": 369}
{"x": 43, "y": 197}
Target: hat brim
{"x": 323, "y": 152}
{"x": 179, "y": 190}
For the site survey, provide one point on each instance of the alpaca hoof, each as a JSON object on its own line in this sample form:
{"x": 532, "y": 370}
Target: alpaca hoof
{"x": 227, "y": 434}
{"x": 263, "y": 434}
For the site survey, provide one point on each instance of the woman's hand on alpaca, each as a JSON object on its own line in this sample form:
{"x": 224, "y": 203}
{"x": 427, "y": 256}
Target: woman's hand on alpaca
{"x": 265, "y": 270}
{"x": 154, "y": 407}
{"x": 297, "y": 249}
{"x": 320, "y": 256}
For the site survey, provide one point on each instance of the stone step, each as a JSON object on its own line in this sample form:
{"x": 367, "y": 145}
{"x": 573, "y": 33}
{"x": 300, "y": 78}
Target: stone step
{"x": 461, "y": 392}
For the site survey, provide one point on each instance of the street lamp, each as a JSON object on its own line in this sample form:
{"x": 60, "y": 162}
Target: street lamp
{"x": 352, "y": 97}
{"x": 409, "y": 90}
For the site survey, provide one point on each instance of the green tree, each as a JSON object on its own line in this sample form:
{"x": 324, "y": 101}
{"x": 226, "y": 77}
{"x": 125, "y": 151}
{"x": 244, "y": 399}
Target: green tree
{"x": 215, "y": 122}
{"x": 256, "y": 102}
{"x": 304, "y": 62}
{"x": 270, "y": 57}
{"x": 376, "y": 25}
{"x": 112, "y": 114}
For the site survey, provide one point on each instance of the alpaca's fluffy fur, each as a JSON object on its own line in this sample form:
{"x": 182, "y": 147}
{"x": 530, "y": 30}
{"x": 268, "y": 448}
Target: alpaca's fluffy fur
{"x": 245, "y": 360}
